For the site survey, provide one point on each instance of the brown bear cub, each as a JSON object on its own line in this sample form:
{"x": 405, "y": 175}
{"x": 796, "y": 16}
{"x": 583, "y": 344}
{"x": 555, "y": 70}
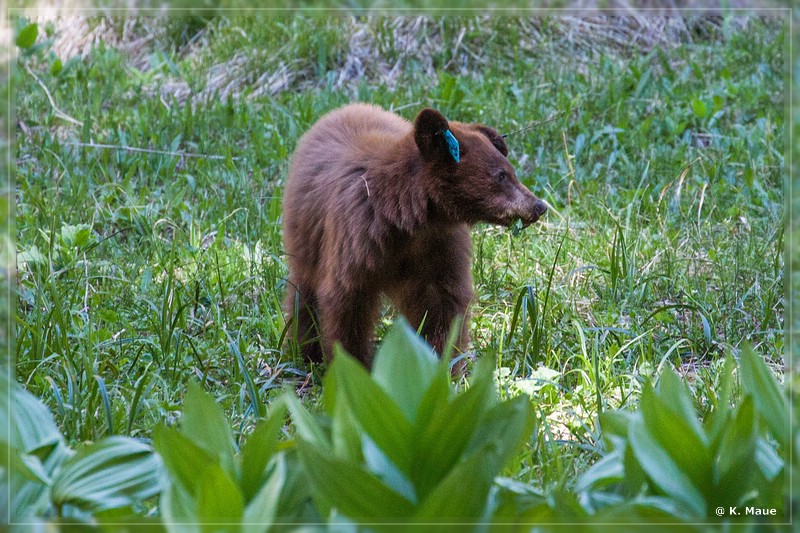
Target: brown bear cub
{"x": 375, "y": 205}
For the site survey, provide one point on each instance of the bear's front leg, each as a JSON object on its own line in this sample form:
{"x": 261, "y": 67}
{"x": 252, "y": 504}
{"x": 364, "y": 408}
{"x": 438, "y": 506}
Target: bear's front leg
{"x": 437, "y": 287}
{"x": 428, "y": 304}
{"x": 434, "y": 298}
{"x": 348, "y": 316}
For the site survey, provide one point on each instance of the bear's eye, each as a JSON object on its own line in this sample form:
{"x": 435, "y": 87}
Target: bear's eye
{"x": 501, "y": 175}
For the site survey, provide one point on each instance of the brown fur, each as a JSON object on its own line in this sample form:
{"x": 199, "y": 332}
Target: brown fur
{"x": 375, "y": 205}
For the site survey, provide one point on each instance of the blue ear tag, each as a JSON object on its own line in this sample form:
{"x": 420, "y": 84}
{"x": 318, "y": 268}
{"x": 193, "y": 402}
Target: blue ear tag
{"x": 452, "y": 145}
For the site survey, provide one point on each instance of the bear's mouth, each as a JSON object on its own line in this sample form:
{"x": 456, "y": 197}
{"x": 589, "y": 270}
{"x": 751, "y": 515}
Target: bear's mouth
{"x": 517, "y": 222}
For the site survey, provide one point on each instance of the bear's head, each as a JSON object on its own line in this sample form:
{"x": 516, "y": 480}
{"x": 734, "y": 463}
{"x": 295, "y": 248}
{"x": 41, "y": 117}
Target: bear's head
{"x": 474, "y": 181}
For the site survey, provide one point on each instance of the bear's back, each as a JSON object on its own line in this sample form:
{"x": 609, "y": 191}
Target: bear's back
{"x": 327, "y": 192}
{"x": 350, "y": 133}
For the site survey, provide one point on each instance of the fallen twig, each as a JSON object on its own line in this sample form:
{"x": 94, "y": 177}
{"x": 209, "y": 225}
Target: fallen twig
{"x": 534, "y": 124}
{"x": 148, "y": 151}
{"x": 60, "y": 114}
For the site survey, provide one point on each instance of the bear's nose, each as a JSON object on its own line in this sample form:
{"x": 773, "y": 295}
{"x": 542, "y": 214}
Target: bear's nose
{"x": 540, "y": 208}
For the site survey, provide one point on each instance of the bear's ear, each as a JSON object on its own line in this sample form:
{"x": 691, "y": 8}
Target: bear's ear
{"x": 430, "y": 134}
{"x": 495, "y": 139}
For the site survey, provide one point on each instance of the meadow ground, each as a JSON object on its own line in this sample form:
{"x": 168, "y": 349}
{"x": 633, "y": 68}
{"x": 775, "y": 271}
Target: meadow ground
{"x": 151, "y": 156}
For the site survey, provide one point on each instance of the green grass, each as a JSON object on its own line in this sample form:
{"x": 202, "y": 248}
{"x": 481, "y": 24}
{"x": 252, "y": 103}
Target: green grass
{"x": 139, "y": 272}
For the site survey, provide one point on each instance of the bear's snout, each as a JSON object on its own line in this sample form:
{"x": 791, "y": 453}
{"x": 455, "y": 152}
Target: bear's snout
{"x": 529, "y": 207}
{"x": 539, "y": 207}
{"x": 536, "y": 209}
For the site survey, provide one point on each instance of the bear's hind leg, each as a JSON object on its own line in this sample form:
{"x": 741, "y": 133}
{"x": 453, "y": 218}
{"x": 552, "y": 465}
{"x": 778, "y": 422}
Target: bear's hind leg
{"x": 349, "y": 318}
{"x": 302, "y": 310}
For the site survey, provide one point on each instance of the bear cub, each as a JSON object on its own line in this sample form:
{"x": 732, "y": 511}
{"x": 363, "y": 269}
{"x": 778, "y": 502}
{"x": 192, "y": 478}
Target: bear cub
{"x": 375, "y": 205}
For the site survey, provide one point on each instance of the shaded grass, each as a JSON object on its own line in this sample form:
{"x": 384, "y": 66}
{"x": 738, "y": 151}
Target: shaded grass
{"x": 140, "y": 271}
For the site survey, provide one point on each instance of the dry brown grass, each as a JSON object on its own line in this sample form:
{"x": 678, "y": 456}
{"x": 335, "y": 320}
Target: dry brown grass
{"x": 256, "y": 73}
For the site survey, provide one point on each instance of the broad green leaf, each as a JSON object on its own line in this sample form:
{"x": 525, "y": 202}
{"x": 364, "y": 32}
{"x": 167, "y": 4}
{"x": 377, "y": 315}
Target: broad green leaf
{"x": 380, "y": 465}
{"x": 374, "y": 410}
{"x": 56, "y": 67}
{"x": 296, "y": 491}
{"x": 307, "y": 427}
{"x": 345, "y": 433}
{"x": 33, "y": 422}
{"x": 76, "y": 236}
{"x": 615, "y": 424}
{"x": 735, "y": 457}
{"x": 29, "y": 466}
{"x": 676, "y": 397}
{"x": 565, "y": 504}
{"x": 39, "y": 448}
{"x": 262, "y": 510}
{"x": 440, "y": 444}
{"x": 205, "y": 424}
{"x": 27, "y": 36}
{"x": 511, "y": 499}
{"x": 113, "y": 473}
{"x": 462, "y": 494}
{"x": 767, "y": 460}
{"x": 404, "y": 367}
{"x": 662, "y": 469}
{"x": 645, "y": 509}
{"x": 506, "y": 425}
{"x": 218, "y": 498}
{"x": 674, "y": 433}
{"x": 718, "y": 419}
{"x": 349, "y": 488}
{"x": 31, "y": 498}
{"x": 178, "y": 510}
{"x": 182, "y": 458}
{"x": 607, "y": 470}
{"x": 768, "y": 399}
{"x": 538, "y": 379}
{"x": 259, "y": 448}
{"x": 635, "y": 476}
{"x": 436, "y": 396}
{"x": 497, "y": 438}
{"x": 699, "y": 108}
{"x": 31, "y": 256}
